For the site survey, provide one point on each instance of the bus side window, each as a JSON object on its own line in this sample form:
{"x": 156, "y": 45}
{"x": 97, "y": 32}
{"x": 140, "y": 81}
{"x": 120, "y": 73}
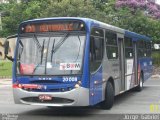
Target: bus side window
{"x": 148, "y": 48}
{"x": 140, "y": 48}
{"x": 111, "y": 45}
{"x": 92, "y": 50}
{"x": 128, "y": 47}
{"x": 96, "y": 48}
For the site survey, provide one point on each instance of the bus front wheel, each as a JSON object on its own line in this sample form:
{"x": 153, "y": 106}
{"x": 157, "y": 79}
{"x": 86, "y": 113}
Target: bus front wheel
{"x": 109, "y": 96}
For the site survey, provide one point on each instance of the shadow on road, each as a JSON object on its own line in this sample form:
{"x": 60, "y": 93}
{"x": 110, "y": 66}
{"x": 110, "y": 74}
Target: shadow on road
{"x": 128, "y": 95}
{"x": 64, "y": 111}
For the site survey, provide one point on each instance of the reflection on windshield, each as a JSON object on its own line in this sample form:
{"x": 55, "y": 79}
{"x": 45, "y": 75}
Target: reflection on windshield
{"x": 52, "y": 55}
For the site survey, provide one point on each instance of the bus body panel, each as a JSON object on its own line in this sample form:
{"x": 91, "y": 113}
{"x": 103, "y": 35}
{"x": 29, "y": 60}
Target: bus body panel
{"x": 146, "y": 67}
{"x": 144, "y": 64}
{"x": 96, "y": 87}
{"x": 92, "y": 88}
{"x": 108, "y": 69}
{"x": 79, "y": 97}
{"x": 76, "y": 94}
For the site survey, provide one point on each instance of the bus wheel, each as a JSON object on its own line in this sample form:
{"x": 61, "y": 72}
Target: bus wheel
{"x": 140, "y": 86}
{"x": 109, "y": 96}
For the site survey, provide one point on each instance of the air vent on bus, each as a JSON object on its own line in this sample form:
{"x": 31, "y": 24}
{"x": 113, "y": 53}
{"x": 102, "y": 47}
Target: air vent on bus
{"x": 46, "y": 81}
{"x": 55, "y": 100}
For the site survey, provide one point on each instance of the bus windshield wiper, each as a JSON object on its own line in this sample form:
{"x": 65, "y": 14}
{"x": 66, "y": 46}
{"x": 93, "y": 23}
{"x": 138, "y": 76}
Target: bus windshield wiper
{"x": 42, "y": 49}
{"x": 54, "y": 49}
{"x": 37, "y": 42}
{"x": 22, "y": 46}
{"x": 79, "y": 48}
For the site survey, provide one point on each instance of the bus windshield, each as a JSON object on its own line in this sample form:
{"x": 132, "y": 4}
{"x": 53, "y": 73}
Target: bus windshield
{"x": 50, "y": 54}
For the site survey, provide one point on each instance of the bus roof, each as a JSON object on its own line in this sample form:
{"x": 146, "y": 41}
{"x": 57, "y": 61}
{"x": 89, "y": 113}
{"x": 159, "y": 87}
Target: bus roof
{"x": 57, "y": 18}
{"x": 89, "y": 21}
{"x": 137, "y": 36}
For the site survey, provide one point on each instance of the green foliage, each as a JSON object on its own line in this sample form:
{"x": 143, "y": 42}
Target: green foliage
{"x": 135, "y": 20}
{"x": 18, "y": 12}
{"x": 156, "y": 58}
{"x": 72, "y": 8}
{"x": 5, "y": 68}
{"x": 2, "y": 7}
{"x": 102, "y": 10}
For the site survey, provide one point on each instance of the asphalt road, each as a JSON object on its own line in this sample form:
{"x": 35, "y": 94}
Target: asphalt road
{"x": 128, "y": 104}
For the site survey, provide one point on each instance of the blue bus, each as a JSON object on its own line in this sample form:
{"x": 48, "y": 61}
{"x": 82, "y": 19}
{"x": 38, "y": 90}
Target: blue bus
{"x": 71, "y": 61}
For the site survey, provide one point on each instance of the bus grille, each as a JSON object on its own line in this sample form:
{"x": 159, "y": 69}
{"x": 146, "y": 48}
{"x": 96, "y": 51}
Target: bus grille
{"x": 45, "y": 81}
{"x": 54, "y": 100}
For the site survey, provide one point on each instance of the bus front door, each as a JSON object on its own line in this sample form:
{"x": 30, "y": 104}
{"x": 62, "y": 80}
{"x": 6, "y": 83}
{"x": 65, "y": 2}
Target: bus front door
{"x": 96, "y": 57}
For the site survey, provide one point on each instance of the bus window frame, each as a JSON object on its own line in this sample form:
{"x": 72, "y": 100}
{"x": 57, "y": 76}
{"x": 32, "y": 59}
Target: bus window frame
{"x": 111, "y": 45}
{"x": 144, "y": 48}
{"x": 95, "y": 71}
{"x": 126, "y": 46}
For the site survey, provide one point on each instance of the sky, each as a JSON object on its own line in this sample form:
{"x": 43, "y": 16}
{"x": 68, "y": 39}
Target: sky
{"x": 158, "y": 1}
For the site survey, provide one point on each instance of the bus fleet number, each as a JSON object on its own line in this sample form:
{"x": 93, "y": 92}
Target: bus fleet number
{"x": 69, "y": 79}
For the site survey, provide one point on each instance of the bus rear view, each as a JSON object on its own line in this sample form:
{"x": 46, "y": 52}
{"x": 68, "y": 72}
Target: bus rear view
{"x": 49, "y": 63}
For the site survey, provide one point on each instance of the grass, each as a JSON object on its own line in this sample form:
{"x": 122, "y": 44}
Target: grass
{"x": 5, "y": 69}
{"x": 156, "y": 58}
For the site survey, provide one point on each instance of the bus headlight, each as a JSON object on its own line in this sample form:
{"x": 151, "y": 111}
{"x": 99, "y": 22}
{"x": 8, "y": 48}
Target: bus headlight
{"x": 78, "y": 84}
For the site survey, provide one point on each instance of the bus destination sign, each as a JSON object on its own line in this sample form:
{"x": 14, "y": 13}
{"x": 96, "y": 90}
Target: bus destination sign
{"x": 52, "y": 27}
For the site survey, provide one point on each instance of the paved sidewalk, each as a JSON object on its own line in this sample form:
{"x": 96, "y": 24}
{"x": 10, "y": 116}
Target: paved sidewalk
{"x": 5, "y": 82}
{"x": 156, "y": 76}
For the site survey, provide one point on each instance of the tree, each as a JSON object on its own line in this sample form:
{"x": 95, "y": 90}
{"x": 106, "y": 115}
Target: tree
{"x": 31, "y": 9}
{"x": 134, "y": 17}
{"x": 127, "y": 14}
{"x": 150, "y": 7}
{"x": 18, "y": 12}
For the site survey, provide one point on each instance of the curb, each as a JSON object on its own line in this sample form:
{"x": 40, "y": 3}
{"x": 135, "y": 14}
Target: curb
{"x": 155, "y": 76}
{"x": 4, "y": 82}
{"x": 5, "y": 77}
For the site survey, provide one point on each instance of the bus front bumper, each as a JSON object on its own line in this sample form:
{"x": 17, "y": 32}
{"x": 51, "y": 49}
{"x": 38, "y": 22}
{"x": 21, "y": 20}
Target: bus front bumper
{"x": 76, "y": 97}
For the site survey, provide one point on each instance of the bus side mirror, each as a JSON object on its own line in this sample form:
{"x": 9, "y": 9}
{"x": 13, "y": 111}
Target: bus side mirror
{"x": 6, "y": 48}
{"x": 12, "y": 40}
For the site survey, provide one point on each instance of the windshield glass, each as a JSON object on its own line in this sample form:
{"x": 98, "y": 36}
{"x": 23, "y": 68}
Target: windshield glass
{"x": 50, "y": 54}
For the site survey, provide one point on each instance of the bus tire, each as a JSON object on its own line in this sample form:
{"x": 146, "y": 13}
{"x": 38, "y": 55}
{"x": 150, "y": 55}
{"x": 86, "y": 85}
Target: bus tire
{"x": 140, "y": 86}
{"x": 109, "y": 96}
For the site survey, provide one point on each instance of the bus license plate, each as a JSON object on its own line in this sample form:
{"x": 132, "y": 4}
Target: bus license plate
{"x": 45, "y": 97}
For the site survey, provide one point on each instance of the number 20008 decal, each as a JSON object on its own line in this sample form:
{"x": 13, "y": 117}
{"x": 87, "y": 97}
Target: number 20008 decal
{"x": 69, "y": 79}
{"x": 70, "y": 66}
